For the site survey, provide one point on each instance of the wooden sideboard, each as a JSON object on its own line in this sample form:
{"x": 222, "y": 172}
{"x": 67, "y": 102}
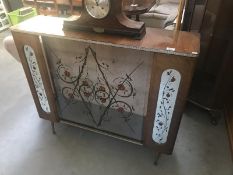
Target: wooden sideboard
{"x": 134, "y": 90}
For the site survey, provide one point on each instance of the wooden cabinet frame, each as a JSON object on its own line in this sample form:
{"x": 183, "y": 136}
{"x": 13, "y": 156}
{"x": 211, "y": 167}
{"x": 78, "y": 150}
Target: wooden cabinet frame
{"x": 173, "y": 61}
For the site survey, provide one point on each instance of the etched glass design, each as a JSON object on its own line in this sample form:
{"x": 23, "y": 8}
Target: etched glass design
{"x": 169, "y": 86}
{"x": 100, "y": 86}
{"x": 36, "y": 77}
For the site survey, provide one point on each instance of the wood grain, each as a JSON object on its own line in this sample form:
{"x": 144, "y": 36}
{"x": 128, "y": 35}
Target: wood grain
{"x": 155, "y": 40}
{"x": 32, "y": 40}
{"x": 116, "y": 22}
{"x": 162, "y": 62}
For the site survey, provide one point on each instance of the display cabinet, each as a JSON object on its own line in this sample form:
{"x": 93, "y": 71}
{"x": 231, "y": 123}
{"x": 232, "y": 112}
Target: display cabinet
{"x": 4, "y": 22}
{"x": 56, "y": 7}
{"x": 213, "y": 19}
{"x": 133, "y": 90}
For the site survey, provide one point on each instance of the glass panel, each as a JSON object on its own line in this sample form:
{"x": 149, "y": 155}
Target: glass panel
{"x": 36, "y": 77}
{"x": 169, "y": 86}
{"x": 100, "y": 86}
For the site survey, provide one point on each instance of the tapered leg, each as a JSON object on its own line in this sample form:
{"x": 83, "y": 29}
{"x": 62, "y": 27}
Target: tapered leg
{"x": 156, "y": 157}
{"x": 53, "y": 128}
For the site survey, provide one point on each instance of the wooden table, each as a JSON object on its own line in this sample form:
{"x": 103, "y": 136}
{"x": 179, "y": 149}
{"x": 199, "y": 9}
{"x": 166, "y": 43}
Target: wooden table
{"x": 137, "y": 7}
{"x": 133, "y": 90}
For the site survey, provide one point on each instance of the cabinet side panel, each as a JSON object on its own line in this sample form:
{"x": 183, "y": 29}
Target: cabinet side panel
{"x": 30, "y": 51}
{"x": 170, "y": 81}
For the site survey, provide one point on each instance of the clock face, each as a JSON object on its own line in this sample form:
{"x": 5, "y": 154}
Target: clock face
{"x": 97, "y": 8}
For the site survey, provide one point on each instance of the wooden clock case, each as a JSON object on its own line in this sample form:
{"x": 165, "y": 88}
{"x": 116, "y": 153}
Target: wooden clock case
{"x": 116, "y": 22}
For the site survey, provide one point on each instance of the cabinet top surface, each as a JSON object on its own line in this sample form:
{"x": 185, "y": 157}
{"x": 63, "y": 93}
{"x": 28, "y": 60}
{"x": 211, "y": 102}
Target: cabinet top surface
{"x": 155, "y": 40}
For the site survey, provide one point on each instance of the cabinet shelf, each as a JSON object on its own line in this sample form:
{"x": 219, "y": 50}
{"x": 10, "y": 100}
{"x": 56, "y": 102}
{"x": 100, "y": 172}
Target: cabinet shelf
{"x": 4, "y": 23}
{"x": 61, "y": 6}
{"x": 4, "y": 27}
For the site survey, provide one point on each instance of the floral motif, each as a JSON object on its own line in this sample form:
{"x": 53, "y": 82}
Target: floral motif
{"x": 108, "y": 95}
{"x": 36, "y": 77}
{"x": 169, "y": 87}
